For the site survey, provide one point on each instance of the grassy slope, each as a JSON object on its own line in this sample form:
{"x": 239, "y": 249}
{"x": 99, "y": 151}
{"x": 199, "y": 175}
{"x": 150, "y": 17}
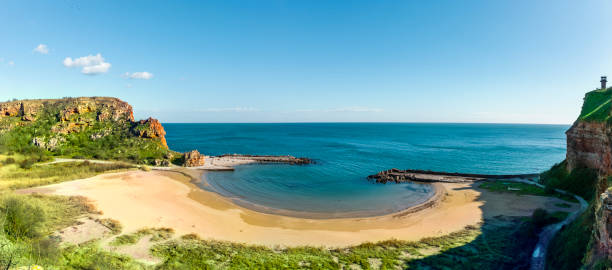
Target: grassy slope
{"x": 503, "y": 245}
{"x": 27, "y": 221}
{"x": 597, "y": 105}
{"x": 118, "y": 143}
{"x": 570, "y": 245}
{"x": 14, "y": 176}
{"x": 523, "y": 189}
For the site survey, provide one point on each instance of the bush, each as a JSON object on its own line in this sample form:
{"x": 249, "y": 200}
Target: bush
{"x": 580, "y": 181}
{"x": 570, "y": 245}
{"x": 22, "y": 218}
{"x": 8, "y": 161}
{"x": 26, "y": 163}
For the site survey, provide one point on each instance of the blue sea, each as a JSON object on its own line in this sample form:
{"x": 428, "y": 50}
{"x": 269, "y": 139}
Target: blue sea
{"x": 346, "y": 153}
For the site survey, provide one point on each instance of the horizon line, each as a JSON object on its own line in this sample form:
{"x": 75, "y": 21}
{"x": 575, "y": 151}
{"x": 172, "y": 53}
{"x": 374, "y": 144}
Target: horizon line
{"x": 371, "y": 122}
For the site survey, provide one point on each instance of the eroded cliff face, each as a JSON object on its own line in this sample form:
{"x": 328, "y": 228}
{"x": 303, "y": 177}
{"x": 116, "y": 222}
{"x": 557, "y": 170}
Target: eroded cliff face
{"x": 150, "y": 128}
{"x": 602, "y": 229}
{"x": 590, "y": 144}
{"x": 74, "y": 115}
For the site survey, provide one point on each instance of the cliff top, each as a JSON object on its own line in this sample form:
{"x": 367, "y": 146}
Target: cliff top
{"x": 55, "y": 100}
{"x": 597, "y": 106}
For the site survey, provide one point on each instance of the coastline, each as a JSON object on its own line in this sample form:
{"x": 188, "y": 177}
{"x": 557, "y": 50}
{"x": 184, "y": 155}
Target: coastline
{"x": 436, "y": 195}
{"x": 170, "y": 199}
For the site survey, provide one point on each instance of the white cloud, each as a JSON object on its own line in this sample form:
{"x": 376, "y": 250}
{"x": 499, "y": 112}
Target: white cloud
{"x": 138, "y": 75}
{"x": 91, "y": 64}
{"x": 235, "y": 109}
{"x": 11, "y": 63}
{"x": 42, "y": 49}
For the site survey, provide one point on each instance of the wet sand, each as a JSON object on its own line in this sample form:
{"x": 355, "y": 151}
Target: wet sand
{"x": 141, "y": 199}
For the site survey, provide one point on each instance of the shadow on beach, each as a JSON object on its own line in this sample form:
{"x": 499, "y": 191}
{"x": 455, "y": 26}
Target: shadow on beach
{"x": 504, "y": 241}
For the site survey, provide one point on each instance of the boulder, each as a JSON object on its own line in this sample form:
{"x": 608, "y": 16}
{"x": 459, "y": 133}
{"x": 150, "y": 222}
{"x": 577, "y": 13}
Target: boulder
{"x": 193, "y": 158}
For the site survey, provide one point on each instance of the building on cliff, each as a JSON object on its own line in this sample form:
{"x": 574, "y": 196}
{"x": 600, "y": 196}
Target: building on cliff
{"x": 603, "y": 81}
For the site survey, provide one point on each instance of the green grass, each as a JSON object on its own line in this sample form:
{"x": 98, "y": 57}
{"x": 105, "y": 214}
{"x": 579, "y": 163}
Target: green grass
{"x": 157, "y": 234}
{"x": 13, "y": 176}
{"x": 27, "y": 222}
{"x": 522, "y": 189}
{"x": 580, "y": 181}
{"x": 493, "y": 246}
{"x": 596, "y": 106}
{"x": 569, "y": 247}
{"x": 91, "y": 256}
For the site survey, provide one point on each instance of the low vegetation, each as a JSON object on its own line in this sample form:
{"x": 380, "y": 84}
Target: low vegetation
{"x": 13, "y": 175}
{"x": 27, "y": 222}
{"x": 580, "y": 181}
{"x": 523, "y": 189}
{"x": 569, "y": 247}
{"x": 597, "y": 105}
{"x": 156, "y": 234}
{"x": 114, "y": 226}
{"x": 484, "y": 247}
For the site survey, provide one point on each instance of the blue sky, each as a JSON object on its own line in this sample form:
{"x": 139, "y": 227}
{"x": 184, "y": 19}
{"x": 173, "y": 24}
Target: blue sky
{"x": 312, "y": 61}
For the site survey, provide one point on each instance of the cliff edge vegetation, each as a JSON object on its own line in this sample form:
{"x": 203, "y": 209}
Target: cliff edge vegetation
{"x": 596, "y": 106}
{"x": 84, "y": 127}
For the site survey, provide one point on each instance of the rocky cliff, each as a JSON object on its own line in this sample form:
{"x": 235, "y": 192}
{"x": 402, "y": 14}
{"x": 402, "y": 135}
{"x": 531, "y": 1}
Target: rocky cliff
{"x": 589, "y": 144}
{"x": 589, "y": 140}
{"x": 100, "y": 127}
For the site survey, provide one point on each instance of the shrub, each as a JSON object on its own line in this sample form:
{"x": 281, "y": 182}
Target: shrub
{"x": 26, "y": 163}
{"x": 580, "y": 181}
{"x": 9, "y": 161}
{"x": 22, "y": 218}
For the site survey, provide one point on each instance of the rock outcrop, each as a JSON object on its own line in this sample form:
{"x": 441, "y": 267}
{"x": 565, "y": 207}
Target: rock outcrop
{"x": 70, "y": 109}
{"x": 88, "y": 121}
{"x": 193, "y": 158}
{"x": 603, "y": 226}
{"x": 150, "y": 128}
{"x": 589, "y": 144}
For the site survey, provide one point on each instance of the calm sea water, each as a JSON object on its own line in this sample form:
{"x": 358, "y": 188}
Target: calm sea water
{"x": 347, "y": 152}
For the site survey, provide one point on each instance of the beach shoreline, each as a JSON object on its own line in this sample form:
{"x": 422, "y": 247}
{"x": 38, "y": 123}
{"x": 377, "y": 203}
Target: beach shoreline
{"x": 170, "y": 199}
{"x": 431, "y": 201}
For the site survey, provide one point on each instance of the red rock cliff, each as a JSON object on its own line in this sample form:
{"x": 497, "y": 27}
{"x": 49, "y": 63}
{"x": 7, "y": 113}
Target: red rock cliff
{"x": 590, "y": 144}
{"x": 150, "y": 128}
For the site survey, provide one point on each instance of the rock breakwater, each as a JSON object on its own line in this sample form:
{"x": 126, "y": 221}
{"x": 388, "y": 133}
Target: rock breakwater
{"x": 400, "y": 176}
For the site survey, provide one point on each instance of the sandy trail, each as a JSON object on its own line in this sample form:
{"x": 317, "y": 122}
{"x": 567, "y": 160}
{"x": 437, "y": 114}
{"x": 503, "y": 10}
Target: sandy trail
{"x": 167, "y": 199}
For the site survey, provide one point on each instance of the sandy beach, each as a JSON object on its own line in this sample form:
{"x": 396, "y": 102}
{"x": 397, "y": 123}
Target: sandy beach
{"x": 141, "y": 199}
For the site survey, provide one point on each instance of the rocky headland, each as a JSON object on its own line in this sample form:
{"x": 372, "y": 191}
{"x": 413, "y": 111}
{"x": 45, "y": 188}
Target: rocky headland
{"x": 86, "y": 127}
{"x": 103, "y": 128}
{"x": 589, "y": 145}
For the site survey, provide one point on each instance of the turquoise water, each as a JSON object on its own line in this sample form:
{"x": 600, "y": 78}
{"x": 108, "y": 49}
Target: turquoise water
{"x": 348, "y": 152}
